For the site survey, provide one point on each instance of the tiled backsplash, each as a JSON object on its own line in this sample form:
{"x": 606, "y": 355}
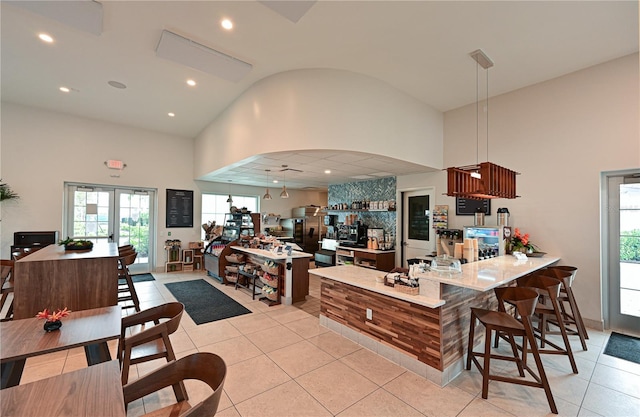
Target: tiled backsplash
{"x": 381, "y": 189}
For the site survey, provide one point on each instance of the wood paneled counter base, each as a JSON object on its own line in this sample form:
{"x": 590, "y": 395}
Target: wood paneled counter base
{"x": 425, "y": 333}
{"x": 54, "y": 278}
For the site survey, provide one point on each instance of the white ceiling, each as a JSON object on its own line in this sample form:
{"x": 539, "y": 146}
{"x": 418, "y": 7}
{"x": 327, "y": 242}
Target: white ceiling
{"x": 419, "y": 47}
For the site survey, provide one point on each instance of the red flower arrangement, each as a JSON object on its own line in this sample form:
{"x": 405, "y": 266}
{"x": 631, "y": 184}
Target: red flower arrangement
{"x": 521, "y": 243}
{"x": 55, "y": 316}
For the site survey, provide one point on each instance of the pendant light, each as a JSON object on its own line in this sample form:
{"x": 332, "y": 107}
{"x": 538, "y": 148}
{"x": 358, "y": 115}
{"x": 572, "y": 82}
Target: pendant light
{"x": 482, "y": 180}
{"x": 230, "y": 200}
{"x": 284, "y": 193}
{"x": 267, "y": 196}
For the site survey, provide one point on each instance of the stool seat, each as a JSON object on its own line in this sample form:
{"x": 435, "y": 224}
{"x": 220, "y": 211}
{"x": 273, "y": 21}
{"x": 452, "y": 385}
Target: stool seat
{"x": 498, "y": 320}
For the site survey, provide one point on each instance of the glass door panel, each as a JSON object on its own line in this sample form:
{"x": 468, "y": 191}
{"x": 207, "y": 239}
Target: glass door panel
{"x": 92, "y": 210}
{"x": 417, "y": 233}
{"x": 134, "y": 210}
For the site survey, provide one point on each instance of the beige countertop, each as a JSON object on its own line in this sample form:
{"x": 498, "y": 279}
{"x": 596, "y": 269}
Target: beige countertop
{"x": 376, "y": 251}
{"x": 366, "y": 278}
{"x": 272, "y": 255}
{"x": 490, "y": 273}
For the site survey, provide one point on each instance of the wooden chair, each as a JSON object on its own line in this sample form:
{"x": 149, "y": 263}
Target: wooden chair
{"x": 206, "y": 367}
{"x": 153, "y": 341}
{"x": 524, "y": 300}
{"x": 6, "y": 278}
{"x": 571, "y": 315}
{"x": 549, "y": 290}
{"x": 126, "y": 289}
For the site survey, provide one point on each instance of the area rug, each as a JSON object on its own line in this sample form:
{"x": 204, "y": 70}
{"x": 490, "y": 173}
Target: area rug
{"x": 623, "y": 347}
{"x": 205, "y": 303}
{"x": 142, "y": 277}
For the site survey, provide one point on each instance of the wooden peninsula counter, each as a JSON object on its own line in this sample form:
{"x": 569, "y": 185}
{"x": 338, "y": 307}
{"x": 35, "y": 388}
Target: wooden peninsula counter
{"x": 293, "y": 270}
{"x": 425, "y": 333}
{"x": 54, "y": 278}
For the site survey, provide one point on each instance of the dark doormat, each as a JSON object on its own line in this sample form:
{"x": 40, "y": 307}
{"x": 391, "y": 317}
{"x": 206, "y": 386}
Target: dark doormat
{"x": 205, "y": 303}
{"x": 142, "y": 277}
{"x": 623, "y": 347}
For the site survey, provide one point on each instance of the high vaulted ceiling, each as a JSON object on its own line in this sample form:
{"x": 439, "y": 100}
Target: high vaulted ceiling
{"x": 419, "y": 47}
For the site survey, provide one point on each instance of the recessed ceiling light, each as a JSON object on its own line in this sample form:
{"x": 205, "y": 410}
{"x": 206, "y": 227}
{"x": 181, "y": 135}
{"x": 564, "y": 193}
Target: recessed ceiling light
{"x": 171, "y": 114}
{"x": 116, "y": 84}
{"x": 192, "y": 83}
{"x": 275, "y": 181}
{"x": 46, "y": 38}
{"x": 65, "y": 89}
{"x": 327, "y": 171}
{"x": 227, "y": 24}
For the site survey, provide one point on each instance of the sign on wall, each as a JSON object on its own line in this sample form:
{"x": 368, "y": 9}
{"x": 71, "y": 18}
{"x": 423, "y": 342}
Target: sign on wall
{"x": 179, "y": 208}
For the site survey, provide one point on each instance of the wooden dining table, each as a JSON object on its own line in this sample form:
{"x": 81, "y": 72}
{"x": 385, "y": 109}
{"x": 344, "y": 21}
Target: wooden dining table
{"x": 22, "y": 339}
{"x": 92, "y": 391}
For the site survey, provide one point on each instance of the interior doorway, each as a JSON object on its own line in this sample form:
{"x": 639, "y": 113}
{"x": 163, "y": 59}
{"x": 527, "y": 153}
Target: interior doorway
{"x": 418, "y": 238}
{"x": 621, "y": 240}
{"x": 122, "y": 215}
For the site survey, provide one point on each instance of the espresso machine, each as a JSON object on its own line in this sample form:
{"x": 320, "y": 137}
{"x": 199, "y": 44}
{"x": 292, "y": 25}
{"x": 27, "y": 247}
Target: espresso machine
{"x": 446, "y": 240}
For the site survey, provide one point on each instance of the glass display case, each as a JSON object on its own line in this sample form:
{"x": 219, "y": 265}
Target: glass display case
{"x": 490, "y": 238}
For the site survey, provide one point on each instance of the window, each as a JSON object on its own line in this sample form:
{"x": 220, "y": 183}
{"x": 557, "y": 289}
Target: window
{"x": 215, "y": 206}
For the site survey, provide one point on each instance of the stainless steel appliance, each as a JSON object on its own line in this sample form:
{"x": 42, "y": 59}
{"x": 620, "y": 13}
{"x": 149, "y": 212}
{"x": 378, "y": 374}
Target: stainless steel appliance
{"x": 357, "y": 236}
{"x": 308, "y": 227}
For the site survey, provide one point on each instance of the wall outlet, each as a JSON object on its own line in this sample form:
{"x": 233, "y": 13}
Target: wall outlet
{"x": 369, "y": 314}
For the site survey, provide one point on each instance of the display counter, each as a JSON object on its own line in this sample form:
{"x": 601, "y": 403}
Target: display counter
{"x": 295, "y": 270}
{"x": 426, "y": 333}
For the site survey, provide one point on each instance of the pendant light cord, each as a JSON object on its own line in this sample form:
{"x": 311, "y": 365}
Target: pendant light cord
{"x": 477, "y": 113}
{"x": 487, "y": 113}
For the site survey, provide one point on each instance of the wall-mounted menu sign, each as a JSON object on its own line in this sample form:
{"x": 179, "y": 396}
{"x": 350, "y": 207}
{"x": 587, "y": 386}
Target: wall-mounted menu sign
{"x": 468, "y": 206}
{"x": 179, "y": 208}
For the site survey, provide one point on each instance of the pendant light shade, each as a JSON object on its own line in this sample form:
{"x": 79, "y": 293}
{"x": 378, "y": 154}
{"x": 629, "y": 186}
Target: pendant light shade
{"x": 230, "y": 200}
{"x": 267, "y": 196}
{"x": 484, "y": 179}
{"x": 284, "y": 193}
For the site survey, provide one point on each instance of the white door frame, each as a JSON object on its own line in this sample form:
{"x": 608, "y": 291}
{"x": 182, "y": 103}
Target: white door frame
{"x": 399, "y": 218}
{"x": 608, "y": 283}
{"x": 67, "y": 220}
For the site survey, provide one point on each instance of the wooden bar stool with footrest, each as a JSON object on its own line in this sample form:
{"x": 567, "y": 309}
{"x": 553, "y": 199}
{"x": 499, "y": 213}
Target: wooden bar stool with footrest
{"x": 548, "y": 289}
{"x": 572, "y": 317}
{"x": 524, "y": 300}
{"x": 126, "y": 289}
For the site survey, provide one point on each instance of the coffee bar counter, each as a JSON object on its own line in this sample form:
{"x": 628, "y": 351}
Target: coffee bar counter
{"x": 426, "y": 333}
{"x": 293, "y": 270}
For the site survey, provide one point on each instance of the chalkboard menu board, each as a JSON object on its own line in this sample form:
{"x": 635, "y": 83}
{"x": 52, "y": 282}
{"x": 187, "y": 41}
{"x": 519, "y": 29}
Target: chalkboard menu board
{"x": 468, "y": 206}
{"x": 179, "y": 208}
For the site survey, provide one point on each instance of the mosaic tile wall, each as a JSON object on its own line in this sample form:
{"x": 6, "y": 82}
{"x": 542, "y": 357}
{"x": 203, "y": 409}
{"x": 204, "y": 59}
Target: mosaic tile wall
{"x": 381, "y": 189}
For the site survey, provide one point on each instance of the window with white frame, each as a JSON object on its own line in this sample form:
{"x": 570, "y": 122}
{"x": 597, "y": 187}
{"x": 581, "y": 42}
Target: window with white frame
{"x": 215, "y": 206}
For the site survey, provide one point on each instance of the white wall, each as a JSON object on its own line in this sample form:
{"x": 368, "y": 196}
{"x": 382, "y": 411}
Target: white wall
{"x": 321, "y": 109}
{"x": 43, "y": 149}
{"x": 560, "y": 135}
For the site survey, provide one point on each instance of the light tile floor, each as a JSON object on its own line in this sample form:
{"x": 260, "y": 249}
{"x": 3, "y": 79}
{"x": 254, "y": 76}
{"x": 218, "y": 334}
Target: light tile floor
{"x": 281, "y": 362}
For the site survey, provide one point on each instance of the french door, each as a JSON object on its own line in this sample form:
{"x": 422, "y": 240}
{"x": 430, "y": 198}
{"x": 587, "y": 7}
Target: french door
{"x": 121, "y": 215}
{"x": 624, "y": 252}
{"x": 417, "y": 230}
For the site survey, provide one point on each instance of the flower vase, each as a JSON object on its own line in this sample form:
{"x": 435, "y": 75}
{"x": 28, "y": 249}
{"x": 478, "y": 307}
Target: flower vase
{"x": 50, "y": 326}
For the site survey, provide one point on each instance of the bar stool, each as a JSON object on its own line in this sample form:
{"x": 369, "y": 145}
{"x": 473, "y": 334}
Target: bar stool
{"x": 6, "y": 280}
{"x": 549, "y": 289}
{"x": 524, "y": 300}
{"x": 126, "y": 289}
{"x": 572, "y": 318}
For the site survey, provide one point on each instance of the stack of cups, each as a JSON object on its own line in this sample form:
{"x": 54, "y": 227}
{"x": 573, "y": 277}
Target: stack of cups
{"x": 458, "y": 250}
{"x": 467, "y": 250}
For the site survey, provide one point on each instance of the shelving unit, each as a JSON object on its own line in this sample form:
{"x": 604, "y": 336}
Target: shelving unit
{"x": 183, "y": 260}
{"x": 237, "y": 225}
{"x": 383, "y": 261}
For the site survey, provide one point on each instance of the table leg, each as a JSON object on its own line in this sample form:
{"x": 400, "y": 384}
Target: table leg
{"x": 11, "y": 373}
{"x": 97, "y": 353}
